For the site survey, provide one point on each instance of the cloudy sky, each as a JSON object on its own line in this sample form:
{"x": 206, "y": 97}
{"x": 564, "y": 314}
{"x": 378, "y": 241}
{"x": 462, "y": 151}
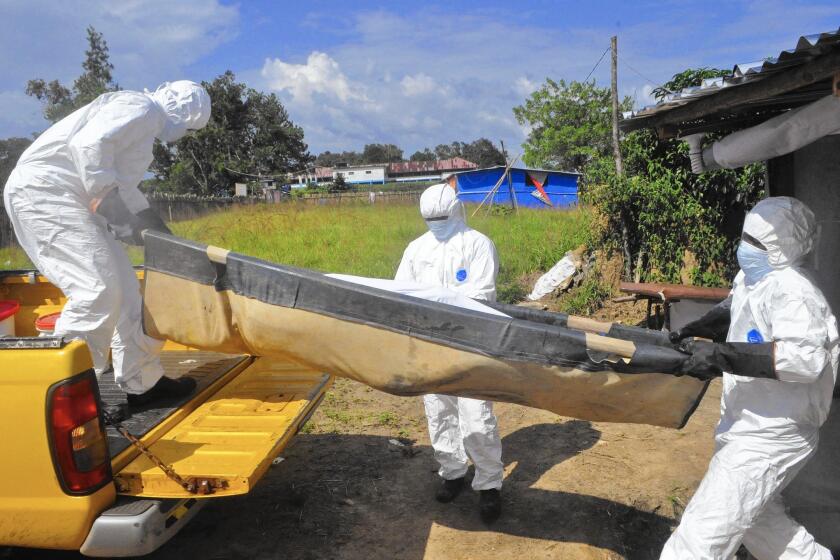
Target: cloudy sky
{"x": 412, "y": 73}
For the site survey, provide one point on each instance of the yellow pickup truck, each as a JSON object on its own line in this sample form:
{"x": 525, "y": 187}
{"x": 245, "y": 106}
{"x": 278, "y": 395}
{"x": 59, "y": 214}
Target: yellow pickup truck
{"x": 70, "y": 481}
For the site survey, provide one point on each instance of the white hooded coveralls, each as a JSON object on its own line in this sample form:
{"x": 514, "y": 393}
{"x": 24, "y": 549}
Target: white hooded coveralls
{"x": 51, "y": 195}
{"x": 459, "y": 258}
{"x": 768, "y": 427}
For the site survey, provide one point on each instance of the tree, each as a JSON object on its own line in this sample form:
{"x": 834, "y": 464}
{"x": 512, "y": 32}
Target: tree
{"x": 483, "y": 153}
{"x": 447, "y": 151}
{"x": 10, "y": 151}
{"x": 688, "y": 78}
{"x": 425, "y": 155}
{"x": 249, "y": 135}
{"x": 679, "y": 226}
{"x": 330, "y": 159}
{"x": 569, "y": 124}
{"x": 339, "y": 184}
{"x": 381, "y": 153}
{"x": 59, "y": 101}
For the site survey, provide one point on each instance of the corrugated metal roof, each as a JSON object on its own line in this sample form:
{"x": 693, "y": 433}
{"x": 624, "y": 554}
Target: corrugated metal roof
{"x": 365, "y": 166}
{"x": 443, "y": 165}
{"x": 807, "y": 48}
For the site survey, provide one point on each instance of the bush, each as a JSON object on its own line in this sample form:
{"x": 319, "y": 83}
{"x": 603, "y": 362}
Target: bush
{"x": 662, "y": 218}
{"x": 660, "y": 213}
{"x": 339, "y": 184}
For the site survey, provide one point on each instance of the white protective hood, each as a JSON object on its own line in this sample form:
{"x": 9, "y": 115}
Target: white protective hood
{"x": 187, "y": 107}
{"x": 444, "y": 213}
{"x": 785, "y": 226}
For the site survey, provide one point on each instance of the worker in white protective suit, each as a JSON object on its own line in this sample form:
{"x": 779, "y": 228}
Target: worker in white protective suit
{"x": 453, "y": 255}
{"x": 76, "y": 182}
{"x": 779, "y": 364}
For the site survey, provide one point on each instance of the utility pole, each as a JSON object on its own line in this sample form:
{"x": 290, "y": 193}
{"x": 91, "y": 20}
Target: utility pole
{"x": 619, "y": 165}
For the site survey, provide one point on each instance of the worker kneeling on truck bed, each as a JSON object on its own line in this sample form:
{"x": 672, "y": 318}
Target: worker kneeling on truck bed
{"x": 76, "y": 182}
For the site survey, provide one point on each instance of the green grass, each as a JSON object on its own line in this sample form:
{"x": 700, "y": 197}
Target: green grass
{"x": 584, "y": 299}
{"x": 13, "y": 258}
{"x": 376, "y": 187}
{"x": 369, "y": 240}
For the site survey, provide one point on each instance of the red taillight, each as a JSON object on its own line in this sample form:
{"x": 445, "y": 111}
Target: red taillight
{"x": 79, "y": 443}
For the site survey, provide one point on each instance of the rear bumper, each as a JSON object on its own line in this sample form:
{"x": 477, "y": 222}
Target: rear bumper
{"x": 133, "y": 527}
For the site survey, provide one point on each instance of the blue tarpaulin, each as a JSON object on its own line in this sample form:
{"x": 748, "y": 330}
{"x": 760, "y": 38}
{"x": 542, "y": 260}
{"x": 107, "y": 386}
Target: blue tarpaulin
{"x": 561, "y": 187}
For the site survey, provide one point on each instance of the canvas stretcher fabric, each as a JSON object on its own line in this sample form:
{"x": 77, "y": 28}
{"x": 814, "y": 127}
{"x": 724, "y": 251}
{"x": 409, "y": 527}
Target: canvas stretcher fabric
{"x": 212, "y": 299}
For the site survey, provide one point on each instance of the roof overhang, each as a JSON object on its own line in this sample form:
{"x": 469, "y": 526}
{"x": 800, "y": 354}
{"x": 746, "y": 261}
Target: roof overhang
{"x": 744, "y": 100}
{"x": 515, "y": 168}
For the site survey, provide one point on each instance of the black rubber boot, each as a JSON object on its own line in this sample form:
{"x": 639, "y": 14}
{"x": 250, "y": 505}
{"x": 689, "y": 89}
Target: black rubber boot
{"x": 490, "y": 505}
{"x": 449, "y": 490}
{"x": 114, "y": 413}
{"x": 165, "y": 388}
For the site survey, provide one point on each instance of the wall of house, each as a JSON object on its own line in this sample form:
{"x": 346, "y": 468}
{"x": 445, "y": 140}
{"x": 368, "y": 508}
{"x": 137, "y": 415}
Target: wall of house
{"x": 359, "y": 175}
{"x": 812, "y": 174}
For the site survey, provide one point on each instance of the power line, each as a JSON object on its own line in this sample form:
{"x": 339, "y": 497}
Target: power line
{"x": 597, "y": 63}
{"x": 645, "y": 78}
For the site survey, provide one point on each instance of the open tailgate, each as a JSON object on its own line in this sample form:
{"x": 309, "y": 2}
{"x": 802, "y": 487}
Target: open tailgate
{"x": 233, "y": 436}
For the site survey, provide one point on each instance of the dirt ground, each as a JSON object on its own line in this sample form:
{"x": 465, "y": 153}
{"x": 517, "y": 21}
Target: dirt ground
{"x": 572, "y": 489}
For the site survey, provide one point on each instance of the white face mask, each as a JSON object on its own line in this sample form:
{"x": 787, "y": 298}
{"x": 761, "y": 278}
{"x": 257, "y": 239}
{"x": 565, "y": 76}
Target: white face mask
{"x": 443, "y": 229}
{"x": 754, "y": 262}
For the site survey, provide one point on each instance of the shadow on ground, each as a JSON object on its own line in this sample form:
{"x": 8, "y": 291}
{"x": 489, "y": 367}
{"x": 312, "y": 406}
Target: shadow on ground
{"x": 359, "y": 496}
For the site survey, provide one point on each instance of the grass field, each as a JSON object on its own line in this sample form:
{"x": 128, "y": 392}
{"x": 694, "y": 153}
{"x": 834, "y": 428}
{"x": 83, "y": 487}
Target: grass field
{"x": 369, "y": 240}
{"x": 376, "y": 187}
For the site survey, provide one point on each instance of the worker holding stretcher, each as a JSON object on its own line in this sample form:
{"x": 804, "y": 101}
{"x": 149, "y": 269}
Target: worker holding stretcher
{"x": 74, "y": 193}
{"x": 779, "y": 365}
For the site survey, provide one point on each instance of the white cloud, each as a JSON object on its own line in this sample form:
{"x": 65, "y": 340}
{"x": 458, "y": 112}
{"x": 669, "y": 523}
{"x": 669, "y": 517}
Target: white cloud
{"x": 320, "y": 74}
{"x": 418, "y": 84}
{"x": 151, "y": 36}
{"x": 428, "y": 79}
{"x": 525, "y": 86}
{"x": 645, "y": 96}
{"x": 150, "y": 41}
{"x": 416, "y": 77}
{"x": 403, "y": 58}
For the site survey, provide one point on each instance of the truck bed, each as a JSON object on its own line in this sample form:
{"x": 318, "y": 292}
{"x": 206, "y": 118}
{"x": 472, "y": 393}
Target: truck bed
{"x": 204, "y": 367}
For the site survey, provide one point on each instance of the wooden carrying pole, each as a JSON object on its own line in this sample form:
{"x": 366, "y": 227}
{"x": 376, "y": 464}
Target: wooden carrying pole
{"x": 614, "y": 346}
